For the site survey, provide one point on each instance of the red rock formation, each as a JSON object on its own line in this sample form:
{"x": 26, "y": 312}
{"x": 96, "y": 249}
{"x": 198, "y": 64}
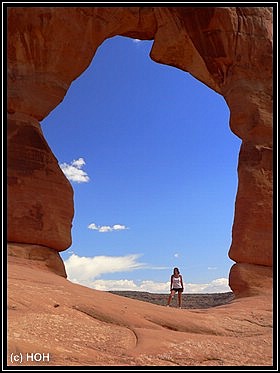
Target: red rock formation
{"x": 39, "y": 257}
{"x": 39, "y": 195}
{"x": 229, "y": 49}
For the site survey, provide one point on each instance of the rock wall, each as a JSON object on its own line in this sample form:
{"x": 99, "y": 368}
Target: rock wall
{"x": 229, "y": 49}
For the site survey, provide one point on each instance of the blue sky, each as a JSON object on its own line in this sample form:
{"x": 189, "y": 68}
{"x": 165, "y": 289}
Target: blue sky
{"x": 153, "y": 164}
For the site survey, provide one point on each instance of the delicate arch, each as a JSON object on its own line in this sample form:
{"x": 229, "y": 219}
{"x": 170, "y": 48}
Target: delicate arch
{"x": 229, "y": 49}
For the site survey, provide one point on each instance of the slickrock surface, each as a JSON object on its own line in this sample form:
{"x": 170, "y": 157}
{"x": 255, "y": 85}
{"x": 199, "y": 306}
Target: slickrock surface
{"x": 79, "y": 326}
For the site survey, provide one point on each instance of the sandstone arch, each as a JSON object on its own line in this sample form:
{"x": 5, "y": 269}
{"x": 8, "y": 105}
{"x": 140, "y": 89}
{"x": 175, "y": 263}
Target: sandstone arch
{"x": 229, "y": 49}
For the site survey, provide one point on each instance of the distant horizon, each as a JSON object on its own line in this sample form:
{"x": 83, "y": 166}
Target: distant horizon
{"x": 149, "y": 153}
{"x": 165, "y": 294}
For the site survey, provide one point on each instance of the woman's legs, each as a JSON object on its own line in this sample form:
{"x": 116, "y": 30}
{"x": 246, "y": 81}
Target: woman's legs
{"x": 180, "y": 298}
{"x": 170, "y": 297}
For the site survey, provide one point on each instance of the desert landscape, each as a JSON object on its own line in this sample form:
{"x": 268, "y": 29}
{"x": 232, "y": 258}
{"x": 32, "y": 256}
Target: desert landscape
{"x": 54, "y": 322}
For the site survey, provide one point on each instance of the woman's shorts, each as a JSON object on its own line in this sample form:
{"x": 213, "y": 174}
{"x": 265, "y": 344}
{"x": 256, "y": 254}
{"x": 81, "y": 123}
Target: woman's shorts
{"x": 179, "y": 290}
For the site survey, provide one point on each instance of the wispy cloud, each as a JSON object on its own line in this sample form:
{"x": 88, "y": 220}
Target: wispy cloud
{"x": 74, "y": 172}
{"x": 82, "y": 269}
{"x": 107, "y": 228}
{"x": 136, "y": 41}
{"x": 88, "y": 270}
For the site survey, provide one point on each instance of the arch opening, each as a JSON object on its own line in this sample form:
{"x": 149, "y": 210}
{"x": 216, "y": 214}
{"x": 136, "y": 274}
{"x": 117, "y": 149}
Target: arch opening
{"x": 159, "y": 168}
{"x": 215, "y": 44}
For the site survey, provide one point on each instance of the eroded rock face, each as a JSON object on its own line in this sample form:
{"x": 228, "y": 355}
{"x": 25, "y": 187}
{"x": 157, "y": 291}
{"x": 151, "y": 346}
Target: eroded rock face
{"x": 249, "y": 279}
{"x": 228, "y": 49}
{"x": 36, "y": 256}
{"x": 39, "y": 195}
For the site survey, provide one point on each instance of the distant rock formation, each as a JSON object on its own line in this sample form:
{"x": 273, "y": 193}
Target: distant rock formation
{"x": 229, "y": 49}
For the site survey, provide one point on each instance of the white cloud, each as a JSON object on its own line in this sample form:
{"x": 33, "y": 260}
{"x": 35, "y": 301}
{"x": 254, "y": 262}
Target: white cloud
{"x": 176, "y": 255}
{"x": 136, "y": 41}
{"x": 106, "y": 285}
{"x": 215, "y": 286}
{"x": 219, "y": 285}
{"x": 74, "y": 172}
{"x": 154, "y": 287}
{"x": 83, "y": 269}
{"x": 87, "y": 270}
{"x": 119, "y": 227}
{"x": 107, "y": 228}
{"x": 93, "y": 226}
{"x": 104, "y": 228}
{"x": 130, "y": 285}
{"x": 78, "y": 163}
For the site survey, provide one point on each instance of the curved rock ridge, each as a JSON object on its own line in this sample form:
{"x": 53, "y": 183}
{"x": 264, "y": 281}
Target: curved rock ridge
{"x": 227, "y": 48}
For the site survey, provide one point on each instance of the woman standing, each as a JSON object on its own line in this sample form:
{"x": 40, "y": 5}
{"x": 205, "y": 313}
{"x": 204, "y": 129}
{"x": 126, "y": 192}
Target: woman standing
{"x": 176, "y": 285}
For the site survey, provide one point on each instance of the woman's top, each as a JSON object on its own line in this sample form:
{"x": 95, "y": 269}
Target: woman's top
{"x": 176, "y": 282}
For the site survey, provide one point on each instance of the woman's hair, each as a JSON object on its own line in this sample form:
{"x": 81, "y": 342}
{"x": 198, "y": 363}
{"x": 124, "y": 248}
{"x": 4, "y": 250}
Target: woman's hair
{"x": 176, "y": 269}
